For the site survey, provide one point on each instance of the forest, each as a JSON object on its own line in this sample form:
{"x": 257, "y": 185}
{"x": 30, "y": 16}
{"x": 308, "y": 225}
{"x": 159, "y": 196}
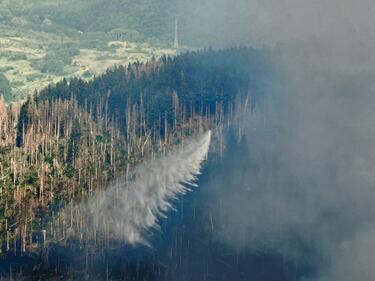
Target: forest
{"x": 148, "y": 18}
{"x": 71, "y": 139}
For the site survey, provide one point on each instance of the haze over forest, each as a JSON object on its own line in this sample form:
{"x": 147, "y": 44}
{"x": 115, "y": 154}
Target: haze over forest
{"x": 187, "y": 140}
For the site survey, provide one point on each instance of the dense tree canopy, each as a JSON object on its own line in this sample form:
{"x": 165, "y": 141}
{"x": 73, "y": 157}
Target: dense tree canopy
{"x": 73, "y": 138}
{"x": 152, "y": 18}
{"x": 200, "y": 80}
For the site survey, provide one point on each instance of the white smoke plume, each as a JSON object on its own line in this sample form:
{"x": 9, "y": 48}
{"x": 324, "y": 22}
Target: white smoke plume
{"x": 305, "y": 186}
{"x": 128, "y": 210}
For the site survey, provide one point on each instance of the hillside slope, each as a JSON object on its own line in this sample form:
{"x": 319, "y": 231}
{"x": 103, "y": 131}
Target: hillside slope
{"x": 72, "y": 139}
{"x": 43, "y": 41}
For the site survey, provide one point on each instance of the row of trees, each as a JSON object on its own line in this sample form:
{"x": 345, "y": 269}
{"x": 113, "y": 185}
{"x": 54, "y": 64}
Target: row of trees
{"x": 201, "y": 80}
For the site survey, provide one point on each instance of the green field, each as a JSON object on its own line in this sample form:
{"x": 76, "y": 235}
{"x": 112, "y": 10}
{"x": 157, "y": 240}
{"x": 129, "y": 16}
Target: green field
{"x": 43, "y": 41}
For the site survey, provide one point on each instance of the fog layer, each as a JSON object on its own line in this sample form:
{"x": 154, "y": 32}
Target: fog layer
{"x": 303, "y": 185}
{"x": 267, "y": 22}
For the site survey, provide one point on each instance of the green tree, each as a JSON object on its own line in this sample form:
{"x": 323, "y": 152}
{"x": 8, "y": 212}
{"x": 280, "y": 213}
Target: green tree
{"x": 5, "y": 88}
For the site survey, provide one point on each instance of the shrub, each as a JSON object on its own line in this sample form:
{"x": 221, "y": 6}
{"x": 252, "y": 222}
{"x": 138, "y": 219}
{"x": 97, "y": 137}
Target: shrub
{"x": 16, "y": 56}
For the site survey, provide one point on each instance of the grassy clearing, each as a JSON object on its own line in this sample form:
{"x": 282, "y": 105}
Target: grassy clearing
{"x": 22, "y": 59}
{"x": 42, "y": 41}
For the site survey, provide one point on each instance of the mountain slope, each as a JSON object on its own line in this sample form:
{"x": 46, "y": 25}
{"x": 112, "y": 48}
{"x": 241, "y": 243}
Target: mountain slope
{"x": 43, "y": 41}
{"x": 152, "y": 18}
{"x": 76, "y": 137}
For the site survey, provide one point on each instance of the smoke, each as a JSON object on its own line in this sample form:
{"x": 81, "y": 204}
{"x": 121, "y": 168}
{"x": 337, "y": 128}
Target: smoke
{"x": 129, "y": 210}
{"x": 302, "y": 183}
{"x": 221, "y": 23}
{"x": 355, "y": 259}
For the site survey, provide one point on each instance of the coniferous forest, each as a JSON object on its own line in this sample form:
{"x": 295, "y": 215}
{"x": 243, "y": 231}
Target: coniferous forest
{"x": 187, "y": 140}
{"x": 72, "y": 139}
